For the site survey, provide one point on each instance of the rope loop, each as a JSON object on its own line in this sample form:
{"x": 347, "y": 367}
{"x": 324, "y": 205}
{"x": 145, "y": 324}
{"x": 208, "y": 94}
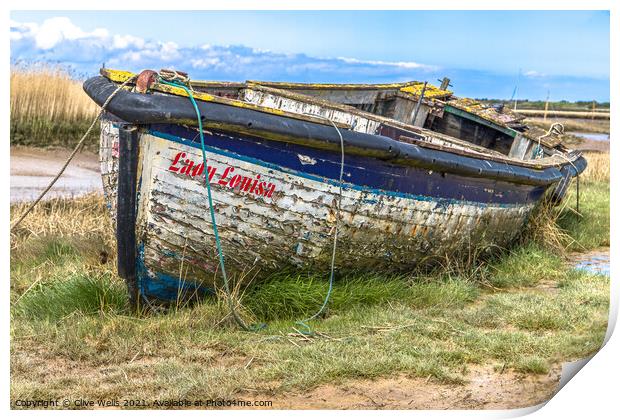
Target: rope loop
{"x": 174, "y": 76}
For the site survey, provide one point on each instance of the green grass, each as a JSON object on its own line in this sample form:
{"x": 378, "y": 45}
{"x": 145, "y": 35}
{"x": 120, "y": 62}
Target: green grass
{"x": 526, "y": 266}
{"x": 71, "y": 333}
{"x": 80, "y": 294}
{"x": 590, "y": 228}
{"x": 296, "y": 296}
{"x": 553, "y": 105}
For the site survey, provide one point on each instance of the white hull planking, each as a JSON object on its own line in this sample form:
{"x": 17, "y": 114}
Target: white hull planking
{"x": 295, "y": 225}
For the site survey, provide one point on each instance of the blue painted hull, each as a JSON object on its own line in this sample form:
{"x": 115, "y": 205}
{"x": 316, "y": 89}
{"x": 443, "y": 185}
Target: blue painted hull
{"x": 361, "y": 172}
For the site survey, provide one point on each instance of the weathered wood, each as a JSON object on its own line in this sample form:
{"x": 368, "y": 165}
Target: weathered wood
{"x": 275, "y": 197}
{"x": 519, "y": 147}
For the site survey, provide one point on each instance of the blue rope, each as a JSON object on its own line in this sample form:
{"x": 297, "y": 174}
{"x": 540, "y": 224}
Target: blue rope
{"x": 211, "y": 210}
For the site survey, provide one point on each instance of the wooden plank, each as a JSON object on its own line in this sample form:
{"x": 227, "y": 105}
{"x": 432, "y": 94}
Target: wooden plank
{"x": 519, "y": 147}
{"x": 473, "y": 117}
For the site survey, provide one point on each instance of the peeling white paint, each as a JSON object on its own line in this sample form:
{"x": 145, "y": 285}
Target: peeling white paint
{"x": 306, "y": 160}
{"x": 295, "y": 225}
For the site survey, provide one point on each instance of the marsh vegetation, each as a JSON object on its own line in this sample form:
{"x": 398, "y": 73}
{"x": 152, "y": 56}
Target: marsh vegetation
{"x": 523, "y": 310}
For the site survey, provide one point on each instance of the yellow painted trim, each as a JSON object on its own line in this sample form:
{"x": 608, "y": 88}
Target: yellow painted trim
{"x": 430, "y": 92}
{"x": 310, "y": 86}
{"x": 119, "y": 76}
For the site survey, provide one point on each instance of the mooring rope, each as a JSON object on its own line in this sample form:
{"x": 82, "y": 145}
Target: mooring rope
{"x": 218, "y": 243}
{"x": 72, "y": 155}
{"x": 555, "y": 129}
{"x": 306, "y": 328}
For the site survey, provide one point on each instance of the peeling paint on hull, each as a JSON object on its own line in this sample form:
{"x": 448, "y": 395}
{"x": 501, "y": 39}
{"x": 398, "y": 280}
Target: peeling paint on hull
{"x": 380, "y": 229}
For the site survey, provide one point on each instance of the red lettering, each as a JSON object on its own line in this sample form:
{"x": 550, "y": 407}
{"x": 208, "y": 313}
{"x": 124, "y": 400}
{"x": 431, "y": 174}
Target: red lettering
{"x": 254, "y": 184}
{"x": 198, "y": 169}
{"x": 178, "y": 157}
{"x": 234, "y": 181}
{"x": 189, "y": 164}
{"x": 261, "y": 188}
{"x": 245, "y": 183}
{"x": 211, "y": 170}
{"x": 228, "y": 170}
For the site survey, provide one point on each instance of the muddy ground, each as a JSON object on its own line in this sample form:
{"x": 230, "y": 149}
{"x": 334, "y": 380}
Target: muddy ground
{"x": 32, "y": 169}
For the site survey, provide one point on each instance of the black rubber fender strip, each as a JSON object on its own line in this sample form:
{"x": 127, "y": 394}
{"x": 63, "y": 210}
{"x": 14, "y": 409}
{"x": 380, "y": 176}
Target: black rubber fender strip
{"x": 161, "y": 108}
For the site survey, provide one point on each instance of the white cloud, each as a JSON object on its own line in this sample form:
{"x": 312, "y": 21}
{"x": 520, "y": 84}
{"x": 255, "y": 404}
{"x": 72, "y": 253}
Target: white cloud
{"x": 127, "y": 41}
{"x": 401, "y": 64}
{"x": 203, "y": 63}
{"x": 56, "y": 30}
{"x": 59, "y": 40}
{"x": 533, "y": 74}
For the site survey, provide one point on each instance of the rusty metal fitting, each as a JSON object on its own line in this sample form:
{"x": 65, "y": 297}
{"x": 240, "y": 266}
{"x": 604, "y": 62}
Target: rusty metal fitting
{"x": 145, "y": 80}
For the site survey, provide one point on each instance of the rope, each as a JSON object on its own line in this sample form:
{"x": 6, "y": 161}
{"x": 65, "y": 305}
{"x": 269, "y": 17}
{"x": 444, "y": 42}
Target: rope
{"x": 303, "y": 323}
{"x": 72, "y": 155}
{"x": 169, "y": 78}
{"x": 555, "y": 129}
{"x": 218, "y": 243}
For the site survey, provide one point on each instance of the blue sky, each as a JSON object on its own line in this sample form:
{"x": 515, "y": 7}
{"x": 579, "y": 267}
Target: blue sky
{"x": 483, "y": 52}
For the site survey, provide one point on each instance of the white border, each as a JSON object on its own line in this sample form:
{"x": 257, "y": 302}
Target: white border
{"x": 591, "y": 394}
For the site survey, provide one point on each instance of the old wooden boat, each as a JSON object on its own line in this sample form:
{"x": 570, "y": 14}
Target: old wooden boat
{"x": 426, "y": 175}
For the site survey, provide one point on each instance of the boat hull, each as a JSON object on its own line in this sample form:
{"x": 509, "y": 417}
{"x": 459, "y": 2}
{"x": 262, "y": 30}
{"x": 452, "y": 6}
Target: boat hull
{"x": 276, "y": 206}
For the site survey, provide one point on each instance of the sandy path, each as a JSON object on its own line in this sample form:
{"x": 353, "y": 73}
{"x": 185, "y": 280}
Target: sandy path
{"x": 484, "y": 388}
{"x": 33, "y": 168}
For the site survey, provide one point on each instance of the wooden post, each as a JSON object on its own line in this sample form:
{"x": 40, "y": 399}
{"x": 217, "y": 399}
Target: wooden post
{"x": 126, "y": 210}
{"x": 593, "y": 108}
{"x": 546, "y": 107}
{"x": 445, "y": 82}
{"x": 417, "y": 107}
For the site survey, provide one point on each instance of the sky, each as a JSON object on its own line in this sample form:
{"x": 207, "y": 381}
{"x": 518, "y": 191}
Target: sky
{"x": 486, "y": 54}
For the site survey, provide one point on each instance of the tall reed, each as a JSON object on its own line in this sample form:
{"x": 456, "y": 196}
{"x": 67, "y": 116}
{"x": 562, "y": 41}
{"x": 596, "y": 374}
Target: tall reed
{"x": 48, "y": 107}
{"x": 598, "y": 167}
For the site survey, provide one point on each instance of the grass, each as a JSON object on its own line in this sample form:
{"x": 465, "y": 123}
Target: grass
{"x": 552, "y": 105}
{"x": 71, "y": 332}
{"x": 598, "y": 168}
{"x": 289, "y": 297}
{"x": 49, "y": 108}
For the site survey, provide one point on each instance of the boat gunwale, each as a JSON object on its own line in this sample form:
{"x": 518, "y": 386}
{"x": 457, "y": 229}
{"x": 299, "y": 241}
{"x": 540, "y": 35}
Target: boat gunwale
{"x": 474, "y": 150}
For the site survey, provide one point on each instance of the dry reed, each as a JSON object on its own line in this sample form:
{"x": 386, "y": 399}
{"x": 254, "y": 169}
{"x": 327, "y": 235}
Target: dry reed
{"x": 59, "y": 217}
{"x": 598, "y": 167}
{"x": 48, "y": 93}
{"x": 48, "y": 107}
